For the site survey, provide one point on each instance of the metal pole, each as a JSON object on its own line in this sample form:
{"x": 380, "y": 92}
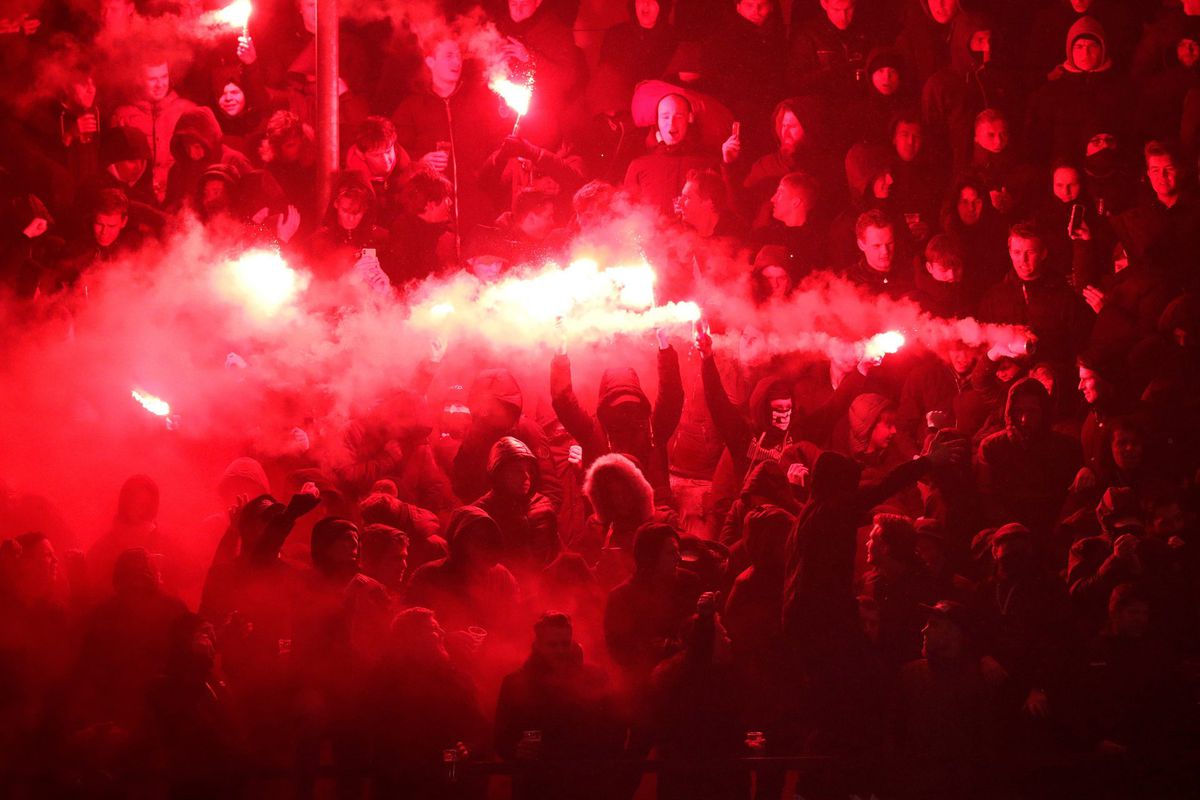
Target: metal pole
{"x": 327, "y": 99}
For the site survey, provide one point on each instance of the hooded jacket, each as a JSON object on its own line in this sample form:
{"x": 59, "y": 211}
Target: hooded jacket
{"x": 198, "y": 126}
{"x": 752, "y": 438}
{"x": 157, "y": 121}
{"x": 460, "y": 596}
{"x": 470, "y": 477}
{"x": 1025, "y": 477}
{"x": 954, "y": 95}
{"x": 528, "y": 525}
{"x": 766, "y": 479}
{"x": 1074, "y": 100}
{"x": 596, "y": 434}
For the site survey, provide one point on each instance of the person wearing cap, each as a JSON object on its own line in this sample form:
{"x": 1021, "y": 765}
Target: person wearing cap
{"x": 874, "y": 440}
{"x": 528, "y": 524}
{"x": 886, "y": 90}
{"x": 496, "y": 404}
{"x": 945, "y": 707}
{"x": 939, "y": 553}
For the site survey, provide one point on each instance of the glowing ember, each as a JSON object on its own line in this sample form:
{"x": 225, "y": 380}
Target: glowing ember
{"x": 234, "y": 15}
{"x": 261, "y": 280}
{"x": 155, "y": 405}
{"x": 882, "y": 344}
{"x": 515, "y": 95}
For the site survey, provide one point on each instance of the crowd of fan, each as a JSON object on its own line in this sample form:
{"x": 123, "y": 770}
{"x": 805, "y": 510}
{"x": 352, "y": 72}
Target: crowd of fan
{"x": 956, "y": 571}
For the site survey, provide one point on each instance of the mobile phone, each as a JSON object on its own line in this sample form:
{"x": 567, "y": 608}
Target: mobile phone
{"x": 1076, "y": 223}
{"x": 368, "y": 252}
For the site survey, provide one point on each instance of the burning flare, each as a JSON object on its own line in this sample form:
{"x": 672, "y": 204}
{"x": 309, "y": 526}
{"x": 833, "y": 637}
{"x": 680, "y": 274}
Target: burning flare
{"x": 155, "y": 405}
{"x": 260, "y": 280}
{"x": 515, "y": 95}
{"x": 234, "y": 15}
{"x": 582, "y": 300}
{"x": 883, "y": 344}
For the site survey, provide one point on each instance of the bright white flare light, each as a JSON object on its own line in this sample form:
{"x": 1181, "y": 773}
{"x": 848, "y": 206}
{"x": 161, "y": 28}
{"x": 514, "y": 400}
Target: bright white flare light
{"x": 234, "y": 15}
{"x": 882, "y": 344}
{"x": 261, "y": 280}
{"x": 441, "y": 310}
{"x": 515, "y": 95}
{"x": 155, "y": 405}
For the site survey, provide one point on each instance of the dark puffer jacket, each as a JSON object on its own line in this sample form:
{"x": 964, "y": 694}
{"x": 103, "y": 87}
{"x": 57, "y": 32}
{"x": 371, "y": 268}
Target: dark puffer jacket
{"x": 528, "y": 525}
{"x": 602, "y": 433}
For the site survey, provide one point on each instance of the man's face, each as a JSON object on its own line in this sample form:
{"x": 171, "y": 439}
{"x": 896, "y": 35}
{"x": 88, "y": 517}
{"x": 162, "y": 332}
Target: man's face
{"x": 883, "y": 433}
{"x": 1188, "y": 52}
{"x": 1081, "y": 6}
{"x": 1027, "y": 256}
{"x": 970, "y": 206}
{"x": 781, "y": 413}
{"x": 943, "y": 11}
{"x": 1127, "y": 450}
{"x": 791, "y": 132}
{"x": 538, "y": 223}
{"x": 839, "y": 12}
{"x": 907, "y": 140}
{"x": 941, "y": 638}
{"x": 1163, "y": 175}
{"x": 940, "y": 272}
{"x": 695, "y": 209}
{"x": 1027, "y": 415}
{"x": 128, "y": 172}
{"x": 445, "y": 63}
{"x": 1089, "y": 385}
{"x": 673, "y": 122}
{"x": 878, "y": 245}
{"x": 647, "y": 13}
{"x": 41, "y": 563}
{"x": 486, "y": 268}
{"x": 350, "y": 212}
{"x": 308, "y": 14}
{"x": 1167, "y": 520}
{"x": 1066, "y": 184}
{"x": 156, "y": 82}
{"x": 214, "y": 196}
{"x": 992, "y": 136}
{"x": 778, "y": 284}
{"x": 886, "y": 80}
{"x": 381, "y": 160}
{"x": 981, "y": 46}
{"x": 754, "y": 11}
{"x": 1086, "y": 53}
{"x": 107, "y": 227}
{"x": 521, "y": 10}
{"x": 515, "y": 479}
{"x": 290, "y": 149}
{"x": 881, "y": 187}
{"x": 393, "y": 566}
{"x": 82, "y": 93}
{"x": 961, "y": 358}
{"x": 1101, "y": 141}
{"x": 429, "y": 639}
{"x": 233, "y": 100}
{"x": 115, "y": 15}
{"x": 342, "y": 555}
{"x": 1131, "y": 620}
{"x": 438, "y": 211}
{"x": 786, "y": 203}
{"x": 555, "y": 645}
